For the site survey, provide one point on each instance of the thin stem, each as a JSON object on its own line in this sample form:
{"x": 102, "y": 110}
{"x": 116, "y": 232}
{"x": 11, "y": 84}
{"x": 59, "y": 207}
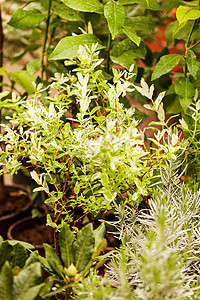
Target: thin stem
{"x": 2, "y": 192}
{"x": 45, "y": 37}
{"x": 108, "y": 54}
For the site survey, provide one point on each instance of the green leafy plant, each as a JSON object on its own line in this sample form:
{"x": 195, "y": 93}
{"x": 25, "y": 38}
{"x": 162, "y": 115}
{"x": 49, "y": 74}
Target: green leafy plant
{"x": 100, "y": 157}
{"x": 159, "y": 257}
{"x": 20, "y": 276}
{"x": 78, "y": 256}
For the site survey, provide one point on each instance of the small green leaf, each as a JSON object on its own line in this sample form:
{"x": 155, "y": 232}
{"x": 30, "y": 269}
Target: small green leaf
{"x": 165, "y": 65}
{"x": 53, "y": 259}
{"x": 26, "y": 19}
{"x": 34, "y": 66}
{"x": 185, "y": 13}
{"x": 6, "y": 282}
{"x": 149, "y": 4}
{"x": 115, "y": 16}
{"x": 141, "y": 23}
{"x": 130, "y": 32}
{"x": 26, "y": 284}
{"x": 29, "y": 48}
{"x": 84, "y": 247}
{"x": 192, "y": 63}
{"x": 67, "y": 47}
{"x": 125, "y": 60}
{"x": 24, "y": 80}
{"x": 3, "y": 71}
{"x": 86, "y": 6}
{"x": 66, "y": 243}
{"x": 126, "y": 46}
{"x": 186, "y": 92}
{"x": 67, "y": 13}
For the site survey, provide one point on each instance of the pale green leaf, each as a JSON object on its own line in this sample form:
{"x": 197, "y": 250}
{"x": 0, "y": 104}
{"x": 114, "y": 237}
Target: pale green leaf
{"x": 24, "y": 80}
{"x": 34, "y": 66}
{"x": 126, "y": 46}
{"x": 84, "y": 247}
{"x": 67, "y": 13}
{"x": 186, "y": 92}
{"x": 26, "y": 19}
{"x": 125, "y": 60}
{"x": 66, "y": 243}
{"x": 53, "y": 259}
{"x": 115, "y": 16}
{"x": 130, "y": 32}
{"x": 192, "y": 63}
{"x": 165, "y": 65}
{"x": 26, "y": 284}
{"x": 185, "y": 13}
{"x": 150, "y": 4}
{"x": 3, "y": 71}
{"x": 67, "y": 47}
{"x": 141, "y": 23}
{"x": 86, "y": 6}
{"x": 6, "y": 282}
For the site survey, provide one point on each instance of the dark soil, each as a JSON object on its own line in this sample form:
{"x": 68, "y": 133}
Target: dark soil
{"x": 14, "y": 202}
{"x": 33, "y": 231}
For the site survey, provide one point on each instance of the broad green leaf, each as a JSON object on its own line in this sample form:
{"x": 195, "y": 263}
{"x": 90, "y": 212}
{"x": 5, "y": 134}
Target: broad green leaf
{"x": 67, "y": 47}
{"x": 126, "y": 46}
{"x": 34, "y": 66}
{"x": 24, "y": 80}
{"x": 26, "y": 19}
{"x": 29, "y": 48}
{"x": 125, "y": 60}
{"x": 66, "y": 243}
{"x": 26, "y": 285}
{"x": 67, "y": 13}
{"x": 6, "y": 282}
{"x": 165, "y": 65}
{"x": 186, "y": 92}
{"x": 192, "y": 63}
{"x": 130, "y": 32}
{"x": 86, "y": 6}
{"x": 84, "y": 247}
{"x": 6, "y": 253}
{"x": 19, "y": 256}
{"x": 115, "y": 15}
{"x": 141, "y": 23}
{"x": 150, "y": 4}
{"x": 185, "y": 13}
{"x": 100, "y": 241}
{"x": 53, "y": 259}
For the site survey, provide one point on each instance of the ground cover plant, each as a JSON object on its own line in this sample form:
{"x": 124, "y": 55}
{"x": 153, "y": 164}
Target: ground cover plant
{"x": 84, "y": 149}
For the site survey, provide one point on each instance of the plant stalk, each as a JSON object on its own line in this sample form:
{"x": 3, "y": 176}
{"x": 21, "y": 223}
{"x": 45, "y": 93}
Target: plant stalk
{"x": 45, "y": 37}
{"x": 2, "y": 190}
{"x": 108, "y": 54}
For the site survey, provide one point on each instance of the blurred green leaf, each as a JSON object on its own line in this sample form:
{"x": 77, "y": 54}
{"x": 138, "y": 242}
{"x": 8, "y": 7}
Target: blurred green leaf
{"x": 26, "y": 19}
{"x": 152, "y": 4}
{"x": 68, "y": 13}
{"x": 24, "y": 80}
